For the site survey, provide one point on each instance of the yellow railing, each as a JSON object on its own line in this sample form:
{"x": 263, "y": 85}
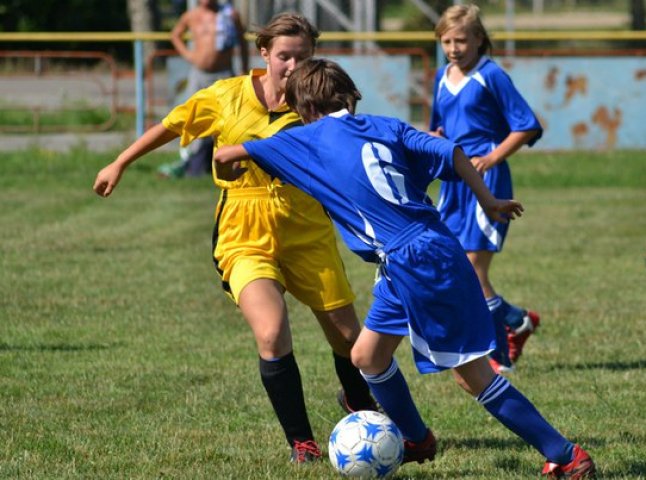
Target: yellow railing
{"x": 138, "y": 38}
{"x": 428, "y": 36}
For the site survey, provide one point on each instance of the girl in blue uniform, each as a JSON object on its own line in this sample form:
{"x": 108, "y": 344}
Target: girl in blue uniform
{"x": 477, "y": 106}
{"x": 371, "y": 174}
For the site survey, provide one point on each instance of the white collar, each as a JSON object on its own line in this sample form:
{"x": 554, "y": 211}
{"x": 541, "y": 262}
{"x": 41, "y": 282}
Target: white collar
{"x": 340, "y": 113}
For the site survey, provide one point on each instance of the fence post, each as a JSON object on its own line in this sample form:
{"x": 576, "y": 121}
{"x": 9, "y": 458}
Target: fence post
{"x": 140, "y": 99}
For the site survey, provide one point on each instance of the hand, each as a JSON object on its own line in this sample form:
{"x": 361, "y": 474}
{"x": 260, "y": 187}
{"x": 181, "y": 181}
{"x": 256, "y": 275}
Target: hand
{"x": 503, "y": 210}
{"x": 226, "y": 161}
{"x": 107, "y": 179}
{"x": 437, "y": 133}
{"x": 482, "y": 164}
{"x": 229, "y": 171}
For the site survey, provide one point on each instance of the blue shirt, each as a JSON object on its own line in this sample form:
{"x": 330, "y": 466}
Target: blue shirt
{"x": 369, "y": 172}
{"x": 481, "y": 111}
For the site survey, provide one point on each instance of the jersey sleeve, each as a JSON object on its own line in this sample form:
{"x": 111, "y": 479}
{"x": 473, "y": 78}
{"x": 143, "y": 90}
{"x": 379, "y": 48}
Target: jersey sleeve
{"x": 434, "y": 152}
{"x": 285, "y": 155}
{"x": 516, "y": 110}
{"x": 197, "y": 117}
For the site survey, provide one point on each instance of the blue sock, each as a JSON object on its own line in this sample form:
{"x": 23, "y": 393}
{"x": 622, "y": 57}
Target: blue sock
{"x": 498, "y": 308}
{"x": 391, "y": 391}
{"x": 507, "y": 313}
{"x": 515, "y": 412}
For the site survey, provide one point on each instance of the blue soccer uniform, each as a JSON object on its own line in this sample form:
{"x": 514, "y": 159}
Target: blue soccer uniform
{"x": 371, "y": 174}
{"x": 479, "y": 113}
{"x": 381, "y": 208}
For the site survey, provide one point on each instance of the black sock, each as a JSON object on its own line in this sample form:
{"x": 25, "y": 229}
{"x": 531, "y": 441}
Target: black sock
{"x": 282, "y": 381}
{"x": 357, "y": 392}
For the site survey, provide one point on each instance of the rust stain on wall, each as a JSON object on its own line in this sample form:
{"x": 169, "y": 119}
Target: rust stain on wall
{"x": 579, "y": 131}
{"x": 608, "y": 123}
{"x": 575, "y": 85}
{"x": 550, "y": 78}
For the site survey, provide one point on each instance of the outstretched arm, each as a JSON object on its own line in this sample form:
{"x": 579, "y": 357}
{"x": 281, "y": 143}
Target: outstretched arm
{"x": 496, "y": 209}
{"x": 108, "y": 178}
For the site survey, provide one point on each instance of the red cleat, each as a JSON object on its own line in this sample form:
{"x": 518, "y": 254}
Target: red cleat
{"x": 305, "y": 452}
{"x": 580, "y": 467}
{"x": 422, "y": 451}
{"x": 516, "y": 338}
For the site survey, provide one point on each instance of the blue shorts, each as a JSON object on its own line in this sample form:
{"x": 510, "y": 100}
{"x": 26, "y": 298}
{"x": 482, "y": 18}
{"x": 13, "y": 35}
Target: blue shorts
{"x": 429, "y": 291}
{"x": 461, "y": 212}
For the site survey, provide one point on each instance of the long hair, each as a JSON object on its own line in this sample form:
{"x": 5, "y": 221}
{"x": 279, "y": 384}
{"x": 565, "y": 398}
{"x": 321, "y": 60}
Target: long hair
{"x": 286, "y": 25}
{"x": 468, "y": 17}
{"x": 317, "y": 87}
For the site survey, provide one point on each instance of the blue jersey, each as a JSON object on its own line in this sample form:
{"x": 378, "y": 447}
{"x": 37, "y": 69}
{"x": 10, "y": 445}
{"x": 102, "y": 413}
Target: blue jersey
{"x": 482, "y": 110}
{"x": 369, "y": 172}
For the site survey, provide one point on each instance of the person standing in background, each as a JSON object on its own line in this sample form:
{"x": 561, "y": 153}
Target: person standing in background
{"x": 216, "y": 30}
{"x": 477, "y": 106}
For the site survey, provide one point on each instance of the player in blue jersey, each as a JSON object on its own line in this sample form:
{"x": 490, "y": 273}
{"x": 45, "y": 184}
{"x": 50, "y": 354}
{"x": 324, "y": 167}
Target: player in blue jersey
{"x": 476, "y": 105}
{"x": 371, "y": 174}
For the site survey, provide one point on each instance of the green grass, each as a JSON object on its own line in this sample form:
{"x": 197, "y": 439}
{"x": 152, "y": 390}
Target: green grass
{"x": 120, "y": 357}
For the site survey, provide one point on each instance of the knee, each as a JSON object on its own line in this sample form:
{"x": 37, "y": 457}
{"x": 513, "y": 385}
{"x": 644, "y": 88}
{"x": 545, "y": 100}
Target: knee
{"x": 360, "y": 357}
{"x": 369, "y": 361}
{"x": 271, "y": 344}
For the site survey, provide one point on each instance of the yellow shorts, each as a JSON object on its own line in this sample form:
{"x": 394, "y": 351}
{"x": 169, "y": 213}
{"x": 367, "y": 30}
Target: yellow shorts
{"x": 279, "y": 233}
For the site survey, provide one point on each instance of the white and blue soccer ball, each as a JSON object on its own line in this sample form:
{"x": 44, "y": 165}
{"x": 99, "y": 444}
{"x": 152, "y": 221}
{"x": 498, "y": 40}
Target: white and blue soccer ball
{"x": 366, "y": 444}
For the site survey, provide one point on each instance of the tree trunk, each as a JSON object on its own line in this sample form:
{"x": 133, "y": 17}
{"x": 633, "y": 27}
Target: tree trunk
{"x": 637, "y": 14}
{"x": 142, "y": 19}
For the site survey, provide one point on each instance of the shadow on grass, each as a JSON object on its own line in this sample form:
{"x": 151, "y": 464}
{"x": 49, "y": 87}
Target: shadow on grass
{"x": 56, "y": 347}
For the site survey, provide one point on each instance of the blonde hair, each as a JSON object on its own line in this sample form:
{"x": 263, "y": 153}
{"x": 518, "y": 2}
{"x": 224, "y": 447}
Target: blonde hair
{"x": 467, "y": 17}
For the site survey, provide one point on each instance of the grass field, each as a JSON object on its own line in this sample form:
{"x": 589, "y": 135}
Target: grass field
{"x": 120, "y": 357}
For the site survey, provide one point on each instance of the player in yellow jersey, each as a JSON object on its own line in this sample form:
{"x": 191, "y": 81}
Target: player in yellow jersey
{"x": 269, "y": 237}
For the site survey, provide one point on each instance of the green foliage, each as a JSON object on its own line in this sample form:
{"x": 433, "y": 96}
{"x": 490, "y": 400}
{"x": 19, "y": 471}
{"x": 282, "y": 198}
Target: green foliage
{"x": 122, "y": 358}
{"x": 64, "y": 16}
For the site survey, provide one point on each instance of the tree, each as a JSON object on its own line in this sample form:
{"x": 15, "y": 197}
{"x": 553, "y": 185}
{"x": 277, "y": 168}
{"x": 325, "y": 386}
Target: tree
{"x": 144, "y": 17}
{"x": 637, "y": 14}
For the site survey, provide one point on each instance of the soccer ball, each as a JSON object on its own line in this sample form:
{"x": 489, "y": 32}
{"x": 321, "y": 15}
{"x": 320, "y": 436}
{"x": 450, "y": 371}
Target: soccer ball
{"x": 366, "y": 444}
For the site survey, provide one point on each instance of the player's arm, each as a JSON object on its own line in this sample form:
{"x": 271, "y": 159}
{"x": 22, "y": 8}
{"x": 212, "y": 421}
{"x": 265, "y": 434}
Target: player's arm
{"x": 108, "y": 178}
{"x": 496, "y": 209}
{"x": 177, "y": 36}
{"x": 226, "y": 161}
{"x": 506, "y": 149}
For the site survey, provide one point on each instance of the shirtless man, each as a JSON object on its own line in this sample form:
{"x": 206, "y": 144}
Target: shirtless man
{"x": 215, "y": 30}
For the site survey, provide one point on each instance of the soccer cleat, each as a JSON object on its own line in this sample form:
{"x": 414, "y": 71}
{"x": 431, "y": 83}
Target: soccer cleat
{"x": 172, "y": 170}
{"x": 422, "y": 451}
{"x": 580, "y": 467}
{"x": 516, "y": 338}
{"x": 305, "y": 452}
{"x": 343, "y": 403}
{"x": 499, "y": 368}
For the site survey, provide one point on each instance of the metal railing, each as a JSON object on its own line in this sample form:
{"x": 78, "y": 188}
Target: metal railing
{"x": 139, "y": 38}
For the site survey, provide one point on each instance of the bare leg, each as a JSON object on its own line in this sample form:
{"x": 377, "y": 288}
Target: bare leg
{"x": 474, "y": 376}
{"x": 373, "y": 352}
{"x": 481, "y": 261}
{"x": 341, "y": 328}
{"x": 263, "y": 306}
